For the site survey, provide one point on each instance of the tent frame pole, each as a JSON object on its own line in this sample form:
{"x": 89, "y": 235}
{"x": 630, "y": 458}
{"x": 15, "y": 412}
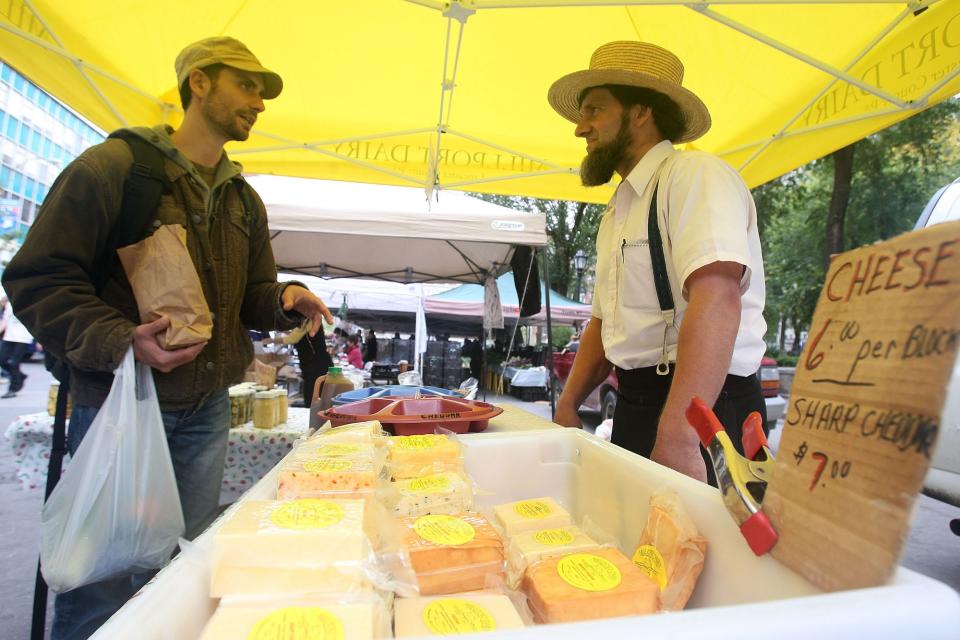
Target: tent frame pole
{"x": 545, "y": 265}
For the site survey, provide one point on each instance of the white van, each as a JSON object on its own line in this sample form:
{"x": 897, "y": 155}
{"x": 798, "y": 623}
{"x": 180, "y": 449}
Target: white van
{"x": 943, "y": 479}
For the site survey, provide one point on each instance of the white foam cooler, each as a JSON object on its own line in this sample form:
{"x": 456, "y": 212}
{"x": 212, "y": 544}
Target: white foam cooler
{"x": 738, "y": 593}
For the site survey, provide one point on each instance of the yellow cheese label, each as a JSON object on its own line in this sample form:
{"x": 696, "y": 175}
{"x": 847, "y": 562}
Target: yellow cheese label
{"x": 428, "y": 441}
{"x": 533, "y": 509}
{"x": 339, "y": 449}
{"x": 428, "y": 484}
{"x": 326, "y": 465}
{"x": 298, "y": 623}
{"x": 553, "y": 537}
{"x": 444, "y": 530}
{"x": 650, "y": 561}
{"x": 455, "y": 615}
{"x": 307, "y": 513}
{"x": 589, "y": 572}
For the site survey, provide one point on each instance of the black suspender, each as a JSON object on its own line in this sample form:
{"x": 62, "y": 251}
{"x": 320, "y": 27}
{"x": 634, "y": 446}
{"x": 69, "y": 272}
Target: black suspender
{"x": 661, "y": 278}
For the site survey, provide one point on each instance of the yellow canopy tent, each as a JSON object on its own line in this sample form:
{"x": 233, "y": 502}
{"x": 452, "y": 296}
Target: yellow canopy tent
{"x": 452, "y": 94}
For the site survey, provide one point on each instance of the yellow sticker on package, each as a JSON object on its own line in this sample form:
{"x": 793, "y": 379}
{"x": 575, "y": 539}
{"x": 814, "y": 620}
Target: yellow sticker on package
{"x": 426, "y": 441}
{"x": 307, "y": 513}
{"x": 650, "y": 561}
{"x": 589, "y": 572}
{"x": 533, "y": 509}
{"x": 327, "y": 465}
{"x": 428, "y": 484}
{"x": 554, "y": 537}
{"x": 456, "y": 615}
{"x": 298, "y": 623}
{"x": 444, "y": 530}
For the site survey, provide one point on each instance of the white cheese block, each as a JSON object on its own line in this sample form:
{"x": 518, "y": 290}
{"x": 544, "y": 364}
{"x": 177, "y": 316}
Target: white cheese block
{"x": 275, "y": 546}
{"x": 447, "y": 492}
{"x": 463, "y": 613}
{"x": 298, "y": 618}
{"x": 531, "y": 515}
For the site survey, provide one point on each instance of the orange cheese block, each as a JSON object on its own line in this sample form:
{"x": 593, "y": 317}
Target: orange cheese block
{"x": 602, "y": 583}
{"x": 452, "y": 553}
{"x": 671, "y": 550}
{"x": 327, "y": 477}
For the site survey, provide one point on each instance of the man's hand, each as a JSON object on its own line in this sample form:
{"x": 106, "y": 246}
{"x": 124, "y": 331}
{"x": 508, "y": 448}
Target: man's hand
{"x": 147, "y": 349}
{"x": 310, "y": 306}
{"x": 567, "y": 416}
{"x": 680, "y": 457}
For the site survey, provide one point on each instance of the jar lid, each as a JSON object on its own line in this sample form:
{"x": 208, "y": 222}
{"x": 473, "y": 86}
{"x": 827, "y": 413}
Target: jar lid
{"x": 263, "y": 395}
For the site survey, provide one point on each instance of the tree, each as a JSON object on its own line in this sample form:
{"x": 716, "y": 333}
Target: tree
{"x": 571, "y": 226}
{"x": 883, "y": 186}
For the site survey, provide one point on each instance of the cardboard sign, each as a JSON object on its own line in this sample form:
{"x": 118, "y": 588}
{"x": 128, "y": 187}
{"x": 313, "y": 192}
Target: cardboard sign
{"x": 865, "y": 408}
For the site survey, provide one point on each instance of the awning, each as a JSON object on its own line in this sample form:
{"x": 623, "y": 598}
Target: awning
{"x": 451, "y": 95}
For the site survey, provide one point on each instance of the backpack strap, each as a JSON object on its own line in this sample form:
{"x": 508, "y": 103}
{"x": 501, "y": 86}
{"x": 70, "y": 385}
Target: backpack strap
{"x": 141, "y": 197}
{"x": 247, "y": 199}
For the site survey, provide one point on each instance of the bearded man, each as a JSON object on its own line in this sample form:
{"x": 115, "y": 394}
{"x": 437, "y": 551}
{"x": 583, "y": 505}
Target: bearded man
{"x": 58, "y": 291}
{"x": 679, "y": 294}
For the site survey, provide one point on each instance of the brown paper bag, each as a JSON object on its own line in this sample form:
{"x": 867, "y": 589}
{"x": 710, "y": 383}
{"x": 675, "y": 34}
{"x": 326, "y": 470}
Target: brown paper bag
{"x": 165, "y": 283}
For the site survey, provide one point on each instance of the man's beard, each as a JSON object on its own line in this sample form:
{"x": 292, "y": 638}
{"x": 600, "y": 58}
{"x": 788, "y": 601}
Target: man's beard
{"x": 598, "y": 165}
{"x": 223, "y": 119}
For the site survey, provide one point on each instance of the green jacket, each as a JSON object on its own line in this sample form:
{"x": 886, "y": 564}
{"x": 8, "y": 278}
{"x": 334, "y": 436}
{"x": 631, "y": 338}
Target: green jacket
{"x": 50, "y": 286}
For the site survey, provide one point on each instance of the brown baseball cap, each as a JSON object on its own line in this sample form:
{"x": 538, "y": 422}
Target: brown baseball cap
{"x": 228, "y": 51}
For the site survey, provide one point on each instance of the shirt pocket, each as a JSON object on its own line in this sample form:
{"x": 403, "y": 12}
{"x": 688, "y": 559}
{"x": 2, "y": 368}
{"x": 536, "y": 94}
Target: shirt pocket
{"x": 637, "y": 288}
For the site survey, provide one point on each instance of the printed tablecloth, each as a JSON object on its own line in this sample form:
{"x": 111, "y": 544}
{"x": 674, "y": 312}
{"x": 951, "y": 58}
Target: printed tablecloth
{"x": 251, "y": 452}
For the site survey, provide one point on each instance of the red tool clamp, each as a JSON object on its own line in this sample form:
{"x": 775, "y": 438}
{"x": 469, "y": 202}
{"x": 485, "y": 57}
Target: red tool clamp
{"x": 742, "y": 480}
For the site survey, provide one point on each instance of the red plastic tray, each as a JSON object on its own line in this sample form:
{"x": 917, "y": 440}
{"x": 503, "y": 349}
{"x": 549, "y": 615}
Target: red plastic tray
{"x": 415, "y": 416}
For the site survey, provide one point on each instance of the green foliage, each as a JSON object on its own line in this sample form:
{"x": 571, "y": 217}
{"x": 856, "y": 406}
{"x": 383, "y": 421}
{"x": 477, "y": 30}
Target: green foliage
{"x": 561, "y": 336}
{"x": 896, "y": 171}
{"x": 571, "y": 226}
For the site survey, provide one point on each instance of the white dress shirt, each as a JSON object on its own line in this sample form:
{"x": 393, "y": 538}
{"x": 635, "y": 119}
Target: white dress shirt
{"x": 706, "y": 215}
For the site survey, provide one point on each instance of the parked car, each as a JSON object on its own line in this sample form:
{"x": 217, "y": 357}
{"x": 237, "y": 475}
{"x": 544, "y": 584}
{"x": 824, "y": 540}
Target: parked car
{"x": 943, "y": 478}
{"x": 603, "y": 399}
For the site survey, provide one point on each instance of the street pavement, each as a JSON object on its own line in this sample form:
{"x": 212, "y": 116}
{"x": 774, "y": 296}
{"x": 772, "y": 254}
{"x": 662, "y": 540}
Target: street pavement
{"x": 931, "y": 549}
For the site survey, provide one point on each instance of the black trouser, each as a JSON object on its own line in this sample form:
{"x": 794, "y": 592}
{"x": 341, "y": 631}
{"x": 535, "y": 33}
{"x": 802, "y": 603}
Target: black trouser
{"x": 642, "y": 396}
{"x": 11, "y": 354}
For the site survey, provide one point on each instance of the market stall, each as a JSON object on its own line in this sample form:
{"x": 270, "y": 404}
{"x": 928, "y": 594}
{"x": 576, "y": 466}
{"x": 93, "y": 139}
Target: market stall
{"x": 594, "y": 480}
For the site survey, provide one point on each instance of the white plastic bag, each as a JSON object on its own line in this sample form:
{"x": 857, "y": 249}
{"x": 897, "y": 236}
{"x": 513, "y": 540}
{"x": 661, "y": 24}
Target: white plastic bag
{"x": 116, "y": 510}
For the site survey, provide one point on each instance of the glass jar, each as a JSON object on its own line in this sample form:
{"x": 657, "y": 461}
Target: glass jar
{"x": 264, "y": 405}
{"x": 282, "y": 406}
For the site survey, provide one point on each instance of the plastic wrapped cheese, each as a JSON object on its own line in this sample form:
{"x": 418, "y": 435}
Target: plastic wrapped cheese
{"x": 531, "y": 515}
{"x": 586, "y": 586}
{"x": 322, "y": 448}
{"x": 529, "y": 547}
{"x": 671, "y": 550}
{"x": 414, "y": 456}
{"x": 299, "y": 617}
{"x": 444, "y": 492}
{"x": 329, "y": 477}
{"x": 370, "y": 432}
{"x": 452, "y": 553}
{"x": 444, "y": 616}
{"x": 295, "y": 546}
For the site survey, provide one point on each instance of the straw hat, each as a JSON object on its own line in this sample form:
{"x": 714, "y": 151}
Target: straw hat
{"x": 634, "y": 64}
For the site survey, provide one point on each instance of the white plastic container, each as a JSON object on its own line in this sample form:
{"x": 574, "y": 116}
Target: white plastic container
{"x": 738, "y": 594}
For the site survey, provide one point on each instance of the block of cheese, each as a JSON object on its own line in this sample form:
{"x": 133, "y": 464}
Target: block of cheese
{"x": 531, "y": 515}
{"x": 452, "y": 553}
{"x": 370, "y": 432}
{"x": 327, "y": 477}
{"x": 414, "y": 456}
{"x": 602, "y": 583}
{"x": 322, "y": 448}
{"x": 529, "y": 547}
{"x": 444, "y": 492}
{"x": 444, "y": 616}
{"x": 671, "y": 550}
{"x": 298, "y": 617}
{"x": 273, "y": 546}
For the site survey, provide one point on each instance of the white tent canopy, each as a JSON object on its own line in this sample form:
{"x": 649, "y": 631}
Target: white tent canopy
{"x": 341, "y": 229}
